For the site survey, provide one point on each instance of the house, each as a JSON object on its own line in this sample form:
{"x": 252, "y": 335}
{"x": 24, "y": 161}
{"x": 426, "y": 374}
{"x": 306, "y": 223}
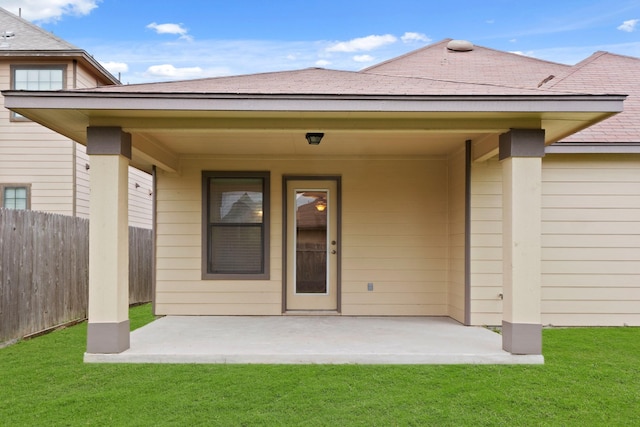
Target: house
{"x": 440, "y": 186}
{"x": 40, "y": 169}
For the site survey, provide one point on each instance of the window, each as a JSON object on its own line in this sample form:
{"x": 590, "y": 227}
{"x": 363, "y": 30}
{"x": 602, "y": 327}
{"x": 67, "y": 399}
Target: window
{"x": 36, "y": 77}
{"x": 15, "y": 196}
{"x": 235, "y": 225}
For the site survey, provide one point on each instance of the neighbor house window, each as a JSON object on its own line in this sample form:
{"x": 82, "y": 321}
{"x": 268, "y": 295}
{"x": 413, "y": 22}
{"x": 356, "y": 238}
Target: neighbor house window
{"x": 235, "y": 225}
{"x": 36, "y": 77}
{"x": 15, "y": 196}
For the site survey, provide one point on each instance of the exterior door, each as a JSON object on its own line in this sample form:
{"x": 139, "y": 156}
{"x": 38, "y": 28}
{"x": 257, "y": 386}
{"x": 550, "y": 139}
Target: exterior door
{"x": 312, "y": 245}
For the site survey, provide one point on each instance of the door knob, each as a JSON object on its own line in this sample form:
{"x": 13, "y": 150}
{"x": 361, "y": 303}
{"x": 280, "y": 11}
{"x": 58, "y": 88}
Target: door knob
{"x": 333, "y": 251}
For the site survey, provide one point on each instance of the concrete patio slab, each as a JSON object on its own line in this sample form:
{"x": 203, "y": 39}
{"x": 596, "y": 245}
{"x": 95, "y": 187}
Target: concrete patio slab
{"x": 313, "y": 340}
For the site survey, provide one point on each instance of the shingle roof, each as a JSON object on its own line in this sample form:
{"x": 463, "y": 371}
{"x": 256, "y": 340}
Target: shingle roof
{"x": 316, "y": 81}
{"x": 607, "y": 73}
{"x": 480, "y": 65}
{"x": 432, "y": 70}
{"x": 27, "y": 36}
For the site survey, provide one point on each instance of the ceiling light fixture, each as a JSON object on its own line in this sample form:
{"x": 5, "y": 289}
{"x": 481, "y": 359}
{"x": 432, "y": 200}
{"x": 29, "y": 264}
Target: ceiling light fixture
{"x": 314, "y": 138}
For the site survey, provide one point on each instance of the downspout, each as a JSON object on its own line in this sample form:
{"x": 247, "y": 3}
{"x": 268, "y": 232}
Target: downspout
{"x": 467, "y": 233}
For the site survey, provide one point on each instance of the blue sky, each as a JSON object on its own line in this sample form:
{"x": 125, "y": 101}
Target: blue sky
{"x": 144, "y": 40}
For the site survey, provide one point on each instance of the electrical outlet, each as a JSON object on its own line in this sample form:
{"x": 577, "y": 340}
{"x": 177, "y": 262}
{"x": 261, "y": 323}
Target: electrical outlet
{"x": 370, "y": 286}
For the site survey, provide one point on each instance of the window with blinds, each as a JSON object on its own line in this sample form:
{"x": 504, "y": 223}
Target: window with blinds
{"x": 235, "y": 225}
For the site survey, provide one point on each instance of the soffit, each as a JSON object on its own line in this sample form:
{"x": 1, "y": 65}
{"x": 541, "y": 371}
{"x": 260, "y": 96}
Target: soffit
{"x": 168, "y": 129}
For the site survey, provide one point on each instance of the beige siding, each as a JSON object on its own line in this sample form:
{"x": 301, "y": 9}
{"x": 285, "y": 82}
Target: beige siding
{"x": 486, "y": 243}
{"x": 140, "y": 198}
{"x": 394, "y": 235}
{"x": 82, "y": 181}
{"x": 456, "y": 201}
{"x": 84, "y": 78}
{"x": 55, "y": 166}
{"x": 31, "y": 154}
{"x": 590, "y": 240}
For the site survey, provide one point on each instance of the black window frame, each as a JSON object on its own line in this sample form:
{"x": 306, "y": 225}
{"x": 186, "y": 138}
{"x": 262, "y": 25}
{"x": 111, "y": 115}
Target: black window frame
{"x": 207, "y": 177}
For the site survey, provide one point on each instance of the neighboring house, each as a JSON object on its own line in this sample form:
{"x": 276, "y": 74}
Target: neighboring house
{"x": 432, "y": 190}
{"x": 40, "y": 169}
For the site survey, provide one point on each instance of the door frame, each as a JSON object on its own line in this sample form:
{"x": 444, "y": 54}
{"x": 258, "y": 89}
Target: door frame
{"x": 285, "y": 232}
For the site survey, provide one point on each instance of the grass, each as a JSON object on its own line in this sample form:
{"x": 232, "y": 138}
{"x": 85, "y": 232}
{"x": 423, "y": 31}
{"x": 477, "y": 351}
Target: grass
{"x": 591, "y": 377}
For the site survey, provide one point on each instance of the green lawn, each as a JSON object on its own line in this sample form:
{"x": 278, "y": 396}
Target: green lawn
{"x": 591, "y": 377}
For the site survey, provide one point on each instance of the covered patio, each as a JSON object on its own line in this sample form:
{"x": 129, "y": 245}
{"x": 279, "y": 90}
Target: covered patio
{"x": 396, "y": 156}
{"x": 313, "y": 339}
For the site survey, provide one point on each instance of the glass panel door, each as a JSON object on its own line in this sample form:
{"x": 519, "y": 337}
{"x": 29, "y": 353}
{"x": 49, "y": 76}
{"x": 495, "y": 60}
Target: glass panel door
{"x": 311, "y": 242}
{"x": 312, "y": 245}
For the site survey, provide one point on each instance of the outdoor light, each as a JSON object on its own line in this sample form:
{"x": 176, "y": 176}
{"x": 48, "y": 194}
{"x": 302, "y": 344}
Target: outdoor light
{"x": 314, "y": 138}
{"x": 321, "y": 205}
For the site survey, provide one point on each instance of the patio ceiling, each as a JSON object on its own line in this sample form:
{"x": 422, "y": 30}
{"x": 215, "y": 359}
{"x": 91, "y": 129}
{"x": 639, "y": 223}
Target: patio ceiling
{"x": 165, "y": 128}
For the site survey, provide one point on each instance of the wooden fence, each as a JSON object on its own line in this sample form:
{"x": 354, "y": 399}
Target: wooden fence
{"x": 44, "y": 270}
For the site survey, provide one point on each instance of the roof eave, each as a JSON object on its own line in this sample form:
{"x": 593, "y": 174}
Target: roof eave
{"x": 311, "y": 102}
{"x": 78, "y": 54}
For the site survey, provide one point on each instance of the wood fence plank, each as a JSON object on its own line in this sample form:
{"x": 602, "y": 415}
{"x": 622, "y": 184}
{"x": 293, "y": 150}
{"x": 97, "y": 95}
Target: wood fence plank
{"x": 44, "y": 270}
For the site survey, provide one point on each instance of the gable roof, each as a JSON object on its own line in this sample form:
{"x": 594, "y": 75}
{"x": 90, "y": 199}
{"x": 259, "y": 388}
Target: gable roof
{"x": 27, "y": 36}
{"x": 607, "y": 73}
{"x": 20, "y": 38}
{"x": 479, "y": 65}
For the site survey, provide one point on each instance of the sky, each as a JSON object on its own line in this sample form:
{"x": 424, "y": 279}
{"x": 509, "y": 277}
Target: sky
{"x": 143, "y": 41}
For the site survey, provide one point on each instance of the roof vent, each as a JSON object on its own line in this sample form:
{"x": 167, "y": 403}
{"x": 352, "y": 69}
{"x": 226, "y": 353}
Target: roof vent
{"x": 5, "y": 36}
{"x": 460, "y": 46}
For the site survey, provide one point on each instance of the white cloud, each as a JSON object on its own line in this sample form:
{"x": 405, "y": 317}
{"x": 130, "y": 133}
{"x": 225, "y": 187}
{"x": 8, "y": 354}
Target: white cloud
{"x": 410, "y": 37}
{"x": 363, "y": 58}
{"x": 168, "y": 70}
{"x": 169, "y": 28}
{"x": 50, "y": 10}
{"x": 363, "y": 43}
{"x": 629, "y": 26}
{"x": 116, "y": 67}
{"x": 323, "y": 63}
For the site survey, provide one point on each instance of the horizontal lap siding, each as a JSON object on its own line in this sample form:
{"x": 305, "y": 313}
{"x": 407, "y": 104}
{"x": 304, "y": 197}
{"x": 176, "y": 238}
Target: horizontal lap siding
{"x": 140, "y": 198}
{"x": 486, "y": 243}
{"x": 30, "y": 154}
{"x": 179, "y": 287}
{"x": 591, "y": 240}
{"x": 394, "y": 229}
{"x": 457, "y": 225}
{"x": 82, "y": 181}
{"x": 394, "y": 236}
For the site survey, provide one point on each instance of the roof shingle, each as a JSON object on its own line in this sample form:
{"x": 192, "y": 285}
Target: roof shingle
{"x": 613, "y": 74}
{"x": 27, "y": 36}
